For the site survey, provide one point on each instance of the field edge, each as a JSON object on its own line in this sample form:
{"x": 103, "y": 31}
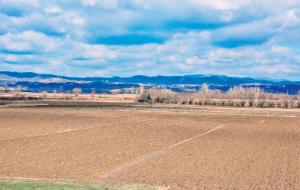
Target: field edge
{"x": 43, "y": 184}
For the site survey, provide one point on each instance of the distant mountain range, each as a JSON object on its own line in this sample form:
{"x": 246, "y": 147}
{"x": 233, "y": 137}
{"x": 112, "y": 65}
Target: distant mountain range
{"x": 47, "y": 82}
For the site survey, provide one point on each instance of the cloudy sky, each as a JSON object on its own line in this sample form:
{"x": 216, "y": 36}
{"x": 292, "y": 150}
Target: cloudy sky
{"x": 257, "y": 38}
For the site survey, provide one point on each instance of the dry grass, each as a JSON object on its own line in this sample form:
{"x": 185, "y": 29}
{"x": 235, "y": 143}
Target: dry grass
{"x": 68, "y": 97}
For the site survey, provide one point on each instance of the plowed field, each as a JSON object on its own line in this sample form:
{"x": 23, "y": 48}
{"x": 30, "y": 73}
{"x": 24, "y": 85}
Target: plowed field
{"x": 179, "y": 148}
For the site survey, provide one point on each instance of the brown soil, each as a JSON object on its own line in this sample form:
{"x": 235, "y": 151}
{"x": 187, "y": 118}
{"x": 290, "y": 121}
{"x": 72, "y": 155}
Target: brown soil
{"x": 256, "y": 149}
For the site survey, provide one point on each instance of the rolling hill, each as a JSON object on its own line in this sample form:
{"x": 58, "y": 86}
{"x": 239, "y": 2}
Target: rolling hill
{"x": 48, "y": 82}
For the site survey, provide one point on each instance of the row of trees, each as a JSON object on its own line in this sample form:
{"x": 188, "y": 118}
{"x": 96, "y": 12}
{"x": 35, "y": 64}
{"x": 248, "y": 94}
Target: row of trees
{"x": 235, "y": 97}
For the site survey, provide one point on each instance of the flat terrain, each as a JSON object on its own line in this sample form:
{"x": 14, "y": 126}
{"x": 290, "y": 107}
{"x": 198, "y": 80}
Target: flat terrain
{"x": 179, "y": 148}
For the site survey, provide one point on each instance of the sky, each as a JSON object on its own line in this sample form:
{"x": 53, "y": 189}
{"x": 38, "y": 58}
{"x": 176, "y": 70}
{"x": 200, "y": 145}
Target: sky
{"x": 255, "y": 38}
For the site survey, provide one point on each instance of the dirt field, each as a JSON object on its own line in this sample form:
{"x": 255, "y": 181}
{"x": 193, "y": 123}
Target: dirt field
{"x": 180, "y": 148}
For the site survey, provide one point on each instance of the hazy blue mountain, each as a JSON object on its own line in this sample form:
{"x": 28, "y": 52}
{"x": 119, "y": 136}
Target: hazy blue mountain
{"x": 48, "y": 82}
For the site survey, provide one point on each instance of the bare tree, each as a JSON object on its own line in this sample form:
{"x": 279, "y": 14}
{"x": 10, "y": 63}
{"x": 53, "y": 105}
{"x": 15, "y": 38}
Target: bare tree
{"x": 141, "y": 89}
{"x": 236, "y": 97}
{"x": 204, "y": 89}
{"x": 76, "y": 91}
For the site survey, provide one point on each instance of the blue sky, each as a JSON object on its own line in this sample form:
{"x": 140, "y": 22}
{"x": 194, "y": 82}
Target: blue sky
{"x": 256, "y": 38}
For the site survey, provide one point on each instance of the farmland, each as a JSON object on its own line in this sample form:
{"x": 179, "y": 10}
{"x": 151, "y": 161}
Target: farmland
{"x": 170, "y": 147}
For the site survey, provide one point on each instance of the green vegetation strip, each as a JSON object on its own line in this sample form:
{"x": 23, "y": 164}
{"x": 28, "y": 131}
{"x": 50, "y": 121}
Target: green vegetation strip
{"x": 16, "y": 185}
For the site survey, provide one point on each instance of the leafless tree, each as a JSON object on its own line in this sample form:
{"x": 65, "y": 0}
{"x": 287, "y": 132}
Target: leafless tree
{"x": 141, "y": 89}
{"x": 44, "y": 94}
{"x": 204, "y": 89}
{"x": 235, "y": 97}
{"x": 76, "y": 91}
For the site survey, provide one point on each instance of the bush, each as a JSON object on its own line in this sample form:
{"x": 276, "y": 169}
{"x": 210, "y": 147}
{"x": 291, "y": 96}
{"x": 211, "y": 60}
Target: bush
{"x": 145, "y": 97}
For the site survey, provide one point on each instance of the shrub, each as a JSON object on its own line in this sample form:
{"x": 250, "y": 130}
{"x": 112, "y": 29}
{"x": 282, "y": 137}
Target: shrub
{"x": 145, "y": 97}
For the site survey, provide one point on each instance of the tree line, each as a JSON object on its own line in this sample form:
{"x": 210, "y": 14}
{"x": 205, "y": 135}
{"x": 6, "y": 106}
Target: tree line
{"x": 235, "y": 97}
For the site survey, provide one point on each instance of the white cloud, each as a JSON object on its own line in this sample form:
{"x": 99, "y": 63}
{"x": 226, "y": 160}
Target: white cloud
{"x": 21, "y": 2}
{"x": 53, "y": 9}
{"x": 195, "y": 60}
{"x": 105, "y": 4}
{"x": 94, "y": 51}
{"x": 235, "y": 37}
{"x": 28, "y": 41}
